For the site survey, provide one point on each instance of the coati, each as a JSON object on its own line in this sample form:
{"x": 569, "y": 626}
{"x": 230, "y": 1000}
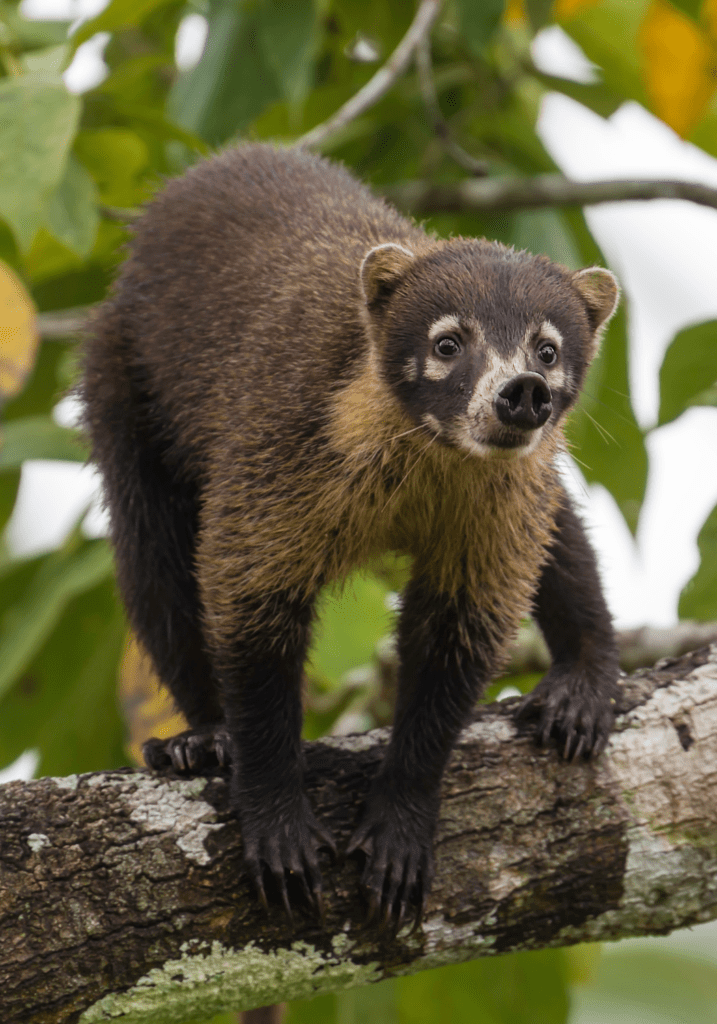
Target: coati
{"x": 288, "y": 379}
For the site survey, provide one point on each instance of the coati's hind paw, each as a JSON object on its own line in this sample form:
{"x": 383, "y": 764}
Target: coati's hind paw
{"x": 282, "y": 847}
{"x": 398, "y": 868}
{"x": 574, "y": 709}
{"x": 189, "y": 751}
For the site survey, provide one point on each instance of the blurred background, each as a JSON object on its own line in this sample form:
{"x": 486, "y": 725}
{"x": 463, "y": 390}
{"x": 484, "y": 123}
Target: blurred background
{"x": 105, "y": 101}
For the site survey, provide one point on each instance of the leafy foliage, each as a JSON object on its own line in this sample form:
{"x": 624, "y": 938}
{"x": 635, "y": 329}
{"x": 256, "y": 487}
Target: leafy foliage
{"x": 273, "y": 70}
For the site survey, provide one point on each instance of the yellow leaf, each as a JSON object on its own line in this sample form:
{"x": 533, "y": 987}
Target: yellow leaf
{"x": 565, "y": 9}
{"x": 679, "y": 65}
{"x": 514, "y": 13}
{"x": 18, "y": 333}
{"x": 708, "y": 15}
{"x": 146, "y": 705}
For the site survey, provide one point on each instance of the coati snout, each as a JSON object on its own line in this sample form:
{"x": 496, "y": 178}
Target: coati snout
{"x": 524, "y": 402}
{"x": 289, "y": 379}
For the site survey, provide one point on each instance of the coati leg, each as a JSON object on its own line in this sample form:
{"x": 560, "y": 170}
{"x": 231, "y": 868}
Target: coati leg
{"x": 446, "y": 657}
{"x": 153, "y": 522}
{"x": 260, "y": 675}
{"x": 154, "y": 538}
{"x": 574, "y": 701}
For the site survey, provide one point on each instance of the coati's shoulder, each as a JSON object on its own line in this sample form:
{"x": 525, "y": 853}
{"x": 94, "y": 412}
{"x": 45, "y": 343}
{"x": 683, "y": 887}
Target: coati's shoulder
{"x": 277, "y": 204}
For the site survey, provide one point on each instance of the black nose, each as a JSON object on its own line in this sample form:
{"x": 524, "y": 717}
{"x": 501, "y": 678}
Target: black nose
{"x": 525, "y": 401}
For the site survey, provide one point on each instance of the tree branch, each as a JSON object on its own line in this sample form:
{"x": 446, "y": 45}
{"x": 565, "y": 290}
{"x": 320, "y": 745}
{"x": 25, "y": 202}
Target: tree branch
{"x": 424, "y": 66}
{"x": 382, "y": 81}
{"x": 493, "y": 194}
{"x": 65, "y": 323}
{"x": 638, "y": 647}
{"x": 123, "y": 894}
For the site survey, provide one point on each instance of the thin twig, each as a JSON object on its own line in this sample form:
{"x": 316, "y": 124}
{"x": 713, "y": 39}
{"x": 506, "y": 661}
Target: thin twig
{"x": 478, "y": 168}
{"x": 382, "y": 81}
{"x": 542, "y": 190}
{"x": 65, "y": 323}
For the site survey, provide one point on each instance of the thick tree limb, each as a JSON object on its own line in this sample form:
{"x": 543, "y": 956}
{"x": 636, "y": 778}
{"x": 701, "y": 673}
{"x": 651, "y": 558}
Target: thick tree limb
{"x": 492, "y": 194}
{"x": 123, "y": 896}
{"x": 638, "y": 647}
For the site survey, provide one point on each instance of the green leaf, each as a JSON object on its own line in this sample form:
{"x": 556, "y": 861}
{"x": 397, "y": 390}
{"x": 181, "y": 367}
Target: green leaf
{"x": 478, "y": 21}
{"x": 44, "y": 387}
{"x": 689, "y": 371}
{"x": 520, "y": 988}
{"x": 72, "y": 215}
{"x": 545, "y": 231}
{"x": 27, "y": 34}
{"x": 39, "y": 437}
{"x": 704, "y": 133}
{"x": 233, "y": 81}
{"x": 698, "y": 599}
{"x": 595, "y": 96}
{"x": 288, "y": 33}
{"x": 61, "y": 575}
{"x": 65, "y": 700}
{"x": 119, "y": 14}
{"x": 539, "y": 13}
{"x": 608, "y": 33}
{"x": 9, "y": 484}
{"x": 321, "y": 1010}
{"x": 37, "y": 125}
{"x": 115, "y": 157}
{"x": 351, "y": 621}
{"x": 606, "y": 440}
{"x": 46, "y": 64}
{"x": 690, "y": 7}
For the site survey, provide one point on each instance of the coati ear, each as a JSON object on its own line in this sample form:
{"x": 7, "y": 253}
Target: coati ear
{"x": 381, "y": 270}
{"x": 600, "y": 292}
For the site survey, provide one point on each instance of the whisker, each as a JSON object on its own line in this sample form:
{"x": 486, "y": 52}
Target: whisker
{"x": 610, "y": 408}
{"x": 407, "y": 432}
{"x": 604, "y": 434}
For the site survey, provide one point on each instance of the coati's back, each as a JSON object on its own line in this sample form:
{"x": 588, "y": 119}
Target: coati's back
{"x": 243, "y": 277}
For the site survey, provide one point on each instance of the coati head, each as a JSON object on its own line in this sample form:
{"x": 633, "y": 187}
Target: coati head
{"x": 484, "y": 346}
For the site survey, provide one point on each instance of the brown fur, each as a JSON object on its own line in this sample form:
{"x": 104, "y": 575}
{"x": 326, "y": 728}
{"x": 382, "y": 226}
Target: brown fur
{"x": 249, "y": 406}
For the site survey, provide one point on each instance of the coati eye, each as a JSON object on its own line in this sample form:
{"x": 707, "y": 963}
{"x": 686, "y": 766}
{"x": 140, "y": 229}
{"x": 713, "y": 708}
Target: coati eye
{"x": 448, "y": 345}
{"x": 547, "y": 354}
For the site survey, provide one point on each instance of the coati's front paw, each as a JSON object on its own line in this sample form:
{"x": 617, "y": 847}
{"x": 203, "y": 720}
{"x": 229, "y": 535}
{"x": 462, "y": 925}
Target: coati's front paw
{"x": 574, "y": 709}
{"x": 398, "y": 869}
{"x": 285, "y": 844}
{"x": 189, "y": 751}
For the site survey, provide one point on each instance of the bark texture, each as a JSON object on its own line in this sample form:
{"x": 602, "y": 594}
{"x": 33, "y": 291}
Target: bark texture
{"x": 123, "y": 895}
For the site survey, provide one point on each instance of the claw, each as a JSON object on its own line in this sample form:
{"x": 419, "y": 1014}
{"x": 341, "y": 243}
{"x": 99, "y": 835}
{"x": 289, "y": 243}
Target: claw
{"x": 319, "y": 899}
{"x": 285, "y": 902}
{"x": 261, "y": 892}
{"x": 568, "y": 742}
{"x": 374, "y": 907}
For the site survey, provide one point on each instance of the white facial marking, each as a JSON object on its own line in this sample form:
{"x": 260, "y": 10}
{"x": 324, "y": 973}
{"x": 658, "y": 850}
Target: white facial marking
{"x": 497, "y": 370}
{"x": 436, "y": 368}
{"x": 431, "y": 421}
{"x": 410, "y": 370}
{"x": 444, "y": 325}
{"x": 554, "y": 374}
{"x": 549, "y": 332}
